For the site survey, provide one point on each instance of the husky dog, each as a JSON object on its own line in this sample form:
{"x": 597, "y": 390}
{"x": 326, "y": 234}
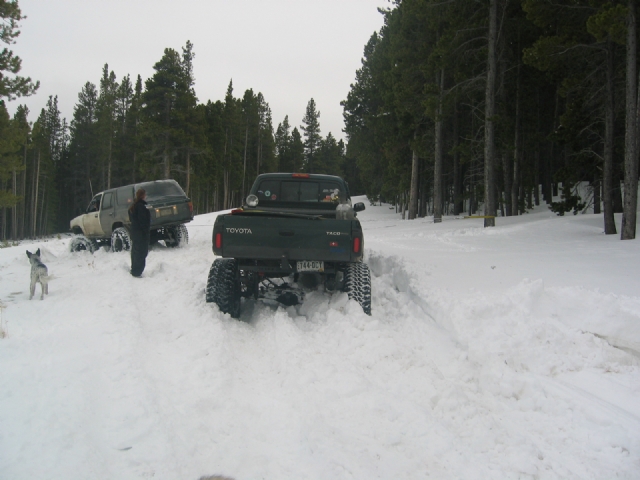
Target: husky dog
{"x": 39, "y": 274}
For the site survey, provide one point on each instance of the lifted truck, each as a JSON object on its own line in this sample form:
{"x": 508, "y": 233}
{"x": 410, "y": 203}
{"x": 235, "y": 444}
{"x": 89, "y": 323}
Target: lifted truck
{"x": 106, "y": 220}
{"x": 293, "y": 229}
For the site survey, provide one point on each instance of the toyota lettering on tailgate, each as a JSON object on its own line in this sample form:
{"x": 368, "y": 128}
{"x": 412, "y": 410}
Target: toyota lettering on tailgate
{"x": 246, "y": 231}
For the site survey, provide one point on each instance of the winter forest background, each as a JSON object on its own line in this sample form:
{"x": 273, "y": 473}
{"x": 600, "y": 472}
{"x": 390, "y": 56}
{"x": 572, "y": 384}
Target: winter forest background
{"x": 459, "y": 106}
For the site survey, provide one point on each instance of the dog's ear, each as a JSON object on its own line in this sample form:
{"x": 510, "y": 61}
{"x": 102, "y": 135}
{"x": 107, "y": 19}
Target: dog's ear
{"x": 29, "y": 254}
{"x": 38, "y": 252}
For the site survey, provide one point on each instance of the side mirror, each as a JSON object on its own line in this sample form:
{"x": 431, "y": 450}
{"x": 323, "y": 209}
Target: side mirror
{"x": 358, "y": 207}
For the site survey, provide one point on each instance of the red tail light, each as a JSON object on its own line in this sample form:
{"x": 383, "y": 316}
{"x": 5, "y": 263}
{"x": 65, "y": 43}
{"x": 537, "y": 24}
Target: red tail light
{"x": 218, "y": 240}
{"x": 236, "y": 211}
{"x": 191, "y": 208}
{"x": 356, "y": 245}
{"x": 300, "y": 175}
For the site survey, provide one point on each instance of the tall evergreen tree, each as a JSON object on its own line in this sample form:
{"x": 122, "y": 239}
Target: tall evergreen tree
{"x": 107, "y": 126}
{"x": 168, "y": 96}
{"x": 83, "y": 147}
{"x": 11, "y": 84}
{"x": 296, "y": 150}
{"x": 12, "y": 139}
{"x": 311, "y": 129}
{"x": 50, "y": 144}
{"x": 631, "y": 129}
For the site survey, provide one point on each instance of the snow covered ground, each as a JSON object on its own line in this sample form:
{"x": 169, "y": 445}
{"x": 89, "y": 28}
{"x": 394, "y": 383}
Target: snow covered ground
{"x": 511, "y": 352}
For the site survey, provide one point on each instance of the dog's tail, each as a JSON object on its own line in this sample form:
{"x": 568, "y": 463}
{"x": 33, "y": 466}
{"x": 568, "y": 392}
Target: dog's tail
{"x": 48, "y": 278}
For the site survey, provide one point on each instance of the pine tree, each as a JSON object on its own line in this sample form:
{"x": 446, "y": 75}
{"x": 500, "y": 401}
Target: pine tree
{"x": 50, "y": 141}
{"x": 311, "y": 129}
{"x": 283, "y": 146}
{"x": 631, "y": 128}
{"x": 11, "y": 84}
{"x": 330, "y": 156}
{"x": 124, "y": 132}
{"x": 167, "y": 98}
{"x": 106, "y": 124}
{"x": 83, "y": 147}
{"x": 232, "y": 152}
{"x": 19, "y": 174}
{"x": 191, "y": 119}
{"x": 296, "y": 151}
{"x": 134, "y": 116}
{"x": 11, "y": 141}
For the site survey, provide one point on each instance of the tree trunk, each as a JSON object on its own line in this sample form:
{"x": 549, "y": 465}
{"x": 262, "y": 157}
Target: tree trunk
{"x": 458, "y": 202}
{"x": 596, "y": 196}
{"x": 508, "y": 177}
{"x": 438, "y": 153}
{"x": 23, "y": 205}
{"x": 517, "y": 149}
{"x": 35, "y": 197}
{"x": 404, "y": 205}
{"x": 43, "y": 216}
{"x": 166, "y": 162}
{"x": 422, "y": 209}
{"x": 259, "y": 156}
{"x": 14, "y": 210}
{"x": 413, "y": 197}
{"x": 244, "y": 166}
{"x": 489, "y": 121}
{"x": 188, "y": 171}
{"x": 548, "y": 187}
{"x": 109, "y": 164}
{"x": 630, "y": 153}
{"x": 536, "y": 166}
{"x": 607, "y": 172}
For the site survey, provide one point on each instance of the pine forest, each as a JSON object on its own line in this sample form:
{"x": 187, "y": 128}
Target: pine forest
{"x": 484, "y": 107}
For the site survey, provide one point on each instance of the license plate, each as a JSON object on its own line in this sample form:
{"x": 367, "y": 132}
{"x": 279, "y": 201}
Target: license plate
{"x": 310, "y": 266}
{"x": 165, "y": 212}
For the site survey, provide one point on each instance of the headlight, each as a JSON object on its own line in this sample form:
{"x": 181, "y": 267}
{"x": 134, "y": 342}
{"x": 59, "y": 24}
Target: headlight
{"x": 252, "y": 201}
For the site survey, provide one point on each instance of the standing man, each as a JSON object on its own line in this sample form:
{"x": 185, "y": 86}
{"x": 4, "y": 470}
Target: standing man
{"x": 140, "y": 225}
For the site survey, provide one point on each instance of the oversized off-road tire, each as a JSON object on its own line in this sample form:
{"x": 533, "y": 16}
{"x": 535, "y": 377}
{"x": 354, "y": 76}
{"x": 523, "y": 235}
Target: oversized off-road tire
{"x": 223, "y": 286}
{"x": 357, "y": 284}
{"x": 176, "y": 236}
{"x": 120, "y": 240}
{"x": 82, "y": 244}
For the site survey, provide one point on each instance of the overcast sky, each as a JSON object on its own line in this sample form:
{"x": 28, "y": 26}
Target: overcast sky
{"x": 290, "y": 50}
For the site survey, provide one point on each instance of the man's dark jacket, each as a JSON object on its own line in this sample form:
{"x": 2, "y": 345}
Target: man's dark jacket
{"x": 140, "y": 225}
{"x": 140, "y": 218}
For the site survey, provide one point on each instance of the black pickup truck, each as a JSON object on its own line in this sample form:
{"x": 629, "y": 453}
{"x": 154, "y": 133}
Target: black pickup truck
{"x": 294, "y": 231}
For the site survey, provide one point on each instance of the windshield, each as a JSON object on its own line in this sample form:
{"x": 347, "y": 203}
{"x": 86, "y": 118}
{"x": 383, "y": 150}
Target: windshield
{"x": 297, "y": 191}
{"x": 161, "y": 189}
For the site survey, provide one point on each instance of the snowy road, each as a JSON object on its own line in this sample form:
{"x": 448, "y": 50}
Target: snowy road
{"x": 489, "y": 354}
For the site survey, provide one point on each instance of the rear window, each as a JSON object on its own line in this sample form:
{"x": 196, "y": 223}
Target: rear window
{"x": 296, "y": 191}
{"x": 160, "y": 189}
{"x": 124, "y": 195}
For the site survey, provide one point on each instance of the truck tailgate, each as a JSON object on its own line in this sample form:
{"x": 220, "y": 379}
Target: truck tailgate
{"x": 170, "y": 213}
{"x": 261, "y": 237}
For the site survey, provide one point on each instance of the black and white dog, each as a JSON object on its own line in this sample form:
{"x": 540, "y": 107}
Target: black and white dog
{"x": 39, "y": 274}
